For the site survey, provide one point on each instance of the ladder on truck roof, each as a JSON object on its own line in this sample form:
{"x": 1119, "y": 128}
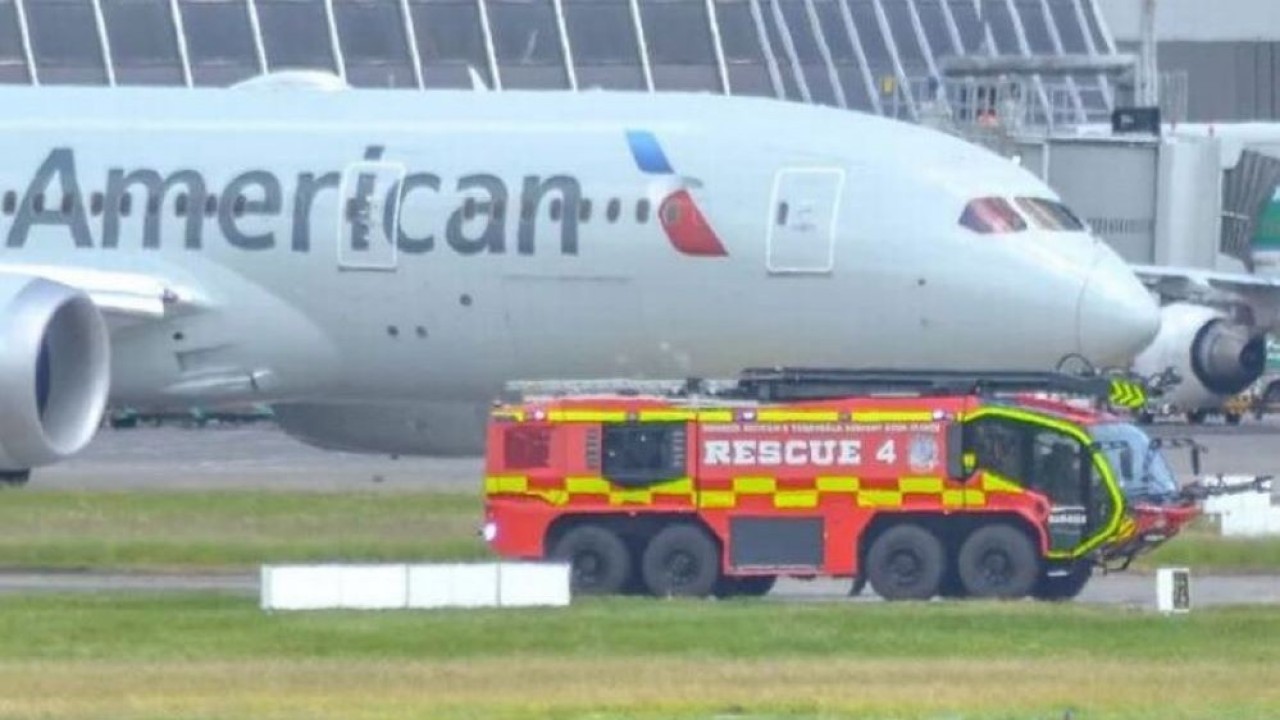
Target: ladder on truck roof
{"x": 790, "y": 383}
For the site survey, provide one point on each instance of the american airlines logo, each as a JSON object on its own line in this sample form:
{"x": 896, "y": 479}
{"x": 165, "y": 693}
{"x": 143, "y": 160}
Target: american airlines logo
{"x": 682, "y": 220}
{"x": 245, "y": 207}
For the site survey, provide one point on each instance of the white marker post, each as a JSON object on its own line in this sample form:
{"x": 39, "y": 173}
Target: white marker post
{"x": 1173, "y": 590}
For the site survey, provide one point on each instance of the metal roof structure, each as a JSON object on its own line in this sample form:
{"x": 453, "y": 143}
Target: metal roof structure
{"x": 874, "y": 55}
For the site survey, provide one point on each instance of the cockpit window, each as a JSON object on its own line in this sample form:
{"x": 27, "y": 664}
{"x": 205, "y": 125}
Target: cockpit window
{"x": 992, "y": 215}
{"x": 1050, "y": 215}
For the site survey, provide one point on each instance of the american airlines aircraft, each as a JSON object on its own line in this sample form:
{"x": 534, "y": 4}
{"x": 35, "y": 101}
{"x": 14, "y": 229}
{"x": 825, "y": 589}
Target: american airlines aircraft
{"x": 375, "y": 264}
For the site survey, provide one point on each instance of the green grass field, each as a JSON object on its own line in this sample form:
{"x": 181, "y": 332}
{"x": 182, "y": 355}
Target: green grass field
{"x": 238, "y": 530}
{"x": 232, "y": 530}
{"x": 216, "y": 657}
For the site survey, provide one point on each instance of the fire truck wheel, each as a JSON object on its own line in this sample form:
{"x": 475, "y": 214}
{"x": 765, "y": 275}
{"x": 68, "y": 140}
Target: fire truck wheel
{"x": 598, "y": 560}
{"x": 998, "y": 561}
{"x": 681, "y": 560}
{"x": 1063, "y": 587}
{"x": 907, "y": 562}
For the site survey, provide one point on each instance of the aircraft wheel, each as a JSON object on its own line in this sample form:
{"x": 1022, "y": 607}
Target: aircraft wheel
{"x": 682, "y": 560}
{"x": 907, "y": 562}
{"x": 1232, "y": 418}
{"x": 599, "y": 563}
{"x": 15, "y": 478}
{"x": 1062, "y": 587}
{"x": 1196, "y": 417}
{"x": 998, "y": 561}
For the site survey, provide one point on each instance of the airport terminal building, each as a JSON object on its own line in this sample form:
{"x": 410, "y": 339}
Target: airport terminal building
{"x": 877, "y": 55}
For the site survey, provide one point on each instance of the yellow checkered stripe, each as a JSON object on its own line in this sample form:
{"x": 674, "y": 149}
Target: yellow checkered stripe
{"x": 748, "y": 486}
{"x": 518, "y": 485}
{"x": 714, "y": 416}
{"x": 851, "y": 488}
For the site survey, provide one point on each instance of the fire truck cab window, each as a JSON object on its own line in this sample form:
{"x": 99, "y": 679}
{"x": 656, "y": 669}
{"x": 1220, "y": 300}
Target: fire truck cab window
{"x": 992, "y": 216}
{"x": 1038, "y": 458}
{"x": 643, "y": 453}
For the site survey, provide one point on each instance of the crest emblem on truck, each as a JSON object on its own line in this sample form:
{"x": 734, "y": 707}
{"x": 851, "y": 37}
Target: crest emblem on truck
{"x": 923, "y": 453}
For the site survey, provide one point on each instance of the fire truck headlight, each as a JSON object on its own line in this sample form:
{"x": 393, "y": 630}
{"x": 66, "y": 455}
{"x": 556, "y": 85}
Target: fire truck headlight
{"x": 490, "y": 531}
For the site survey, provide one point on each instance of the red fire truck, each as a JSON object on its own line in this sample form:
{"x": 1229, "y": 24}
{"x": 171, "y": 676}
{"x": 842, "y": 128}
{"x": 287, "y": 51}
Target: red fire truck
{"x": 921, "y": 484}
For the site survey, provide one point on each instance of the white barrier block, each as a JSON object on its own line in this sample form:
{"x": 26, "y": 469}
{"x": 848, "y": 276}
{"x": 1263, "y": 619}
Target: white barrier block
{"x": 530, "y": 584}
{"x": 456, "y": 585}
{"x": 296, "y": 587}
{"x": 1173, "y": 590}
{"x": 374, "y": 587}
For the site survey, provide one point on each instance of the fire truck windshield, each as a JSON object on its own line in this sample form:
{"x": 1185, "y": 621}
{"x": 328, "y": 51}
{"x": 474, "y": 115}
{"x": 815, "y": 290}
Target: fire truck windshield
{"x": 1136, "y": 460}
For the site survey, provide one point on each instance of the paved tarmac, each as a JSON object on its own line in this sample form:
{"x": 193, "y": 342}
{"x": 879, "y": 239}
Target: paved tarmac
{"x": 1132, "y": 590}
{"x": 261, "y": 456}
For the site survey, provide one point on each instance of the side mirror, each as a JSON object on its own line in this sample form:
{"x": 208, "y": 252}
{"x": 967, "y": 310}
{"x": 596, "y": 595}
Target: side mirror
{"x": 1195, "y": 460}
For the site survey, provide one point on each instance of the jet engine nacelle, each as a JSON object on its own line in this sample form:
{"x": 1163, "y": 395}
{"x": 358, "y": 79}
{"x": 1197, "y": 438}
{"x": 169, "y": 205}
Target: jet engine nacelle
{"x": 1215, "y": 356}
{"x": 438, "y": 428}
{"x": 54, "y": 371}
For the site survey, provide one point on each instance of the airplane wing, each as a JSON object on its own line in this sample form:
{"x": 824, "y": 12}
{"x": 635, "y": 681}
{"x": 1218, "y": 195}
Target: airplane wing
{"x": 1260, "y": 294}
{"x": 125, "y": 298}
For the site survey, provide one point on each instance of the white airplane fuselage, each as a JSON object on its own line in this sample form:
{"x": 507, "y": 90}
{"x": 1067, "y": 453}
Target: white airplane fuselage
{"x": 393, "y": 248}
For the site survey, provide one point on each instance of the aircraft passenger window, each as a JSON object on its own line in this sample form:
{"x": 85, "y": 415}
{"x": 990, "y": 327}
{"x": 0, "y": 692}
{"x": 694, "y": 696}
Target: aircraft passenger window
{"x": 153, "y": 205}
{"x": 211, "y": 205}
{"x": 526, "y": 211}
{"x": 96, "y": 203}
{"x": 642, "y": 211}
{"x": 68, "y": 203}
{"x": 992, "y": 215}
{"x": 1050, "y": 215}
{"x": 468, "y": 208}
{"x": 497, "y": 208}
{"x": 37, "y": 203}
{"x": 238, "y": 205}
{"x": 615, "y": 209}
{"x": 180, "y": 205}
{"x": 10, "y": 202}
{"x": 584, "y": 210}
{"x": 782, "y": 214}
{"x": 126, "y": 204}
{"x": 557, "y": 208}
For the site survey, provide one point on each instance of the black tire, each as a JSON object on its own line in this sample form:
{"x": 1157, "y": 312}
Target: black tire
{"x": 1232, "y": 418}
{"x": 681, "y": 560}
{"x": 859, "y": 584}
{"x": 1196, "y": 417}
{"x": 748, "y": 586}
{"x": 998, "y": 561}
{"x": 598, "y": 560}
{"x": 1062, "y": 587}
{"x": 15, "y": 478}
{"x": 1146, "y": 418}
{"x": 907, "y": 562}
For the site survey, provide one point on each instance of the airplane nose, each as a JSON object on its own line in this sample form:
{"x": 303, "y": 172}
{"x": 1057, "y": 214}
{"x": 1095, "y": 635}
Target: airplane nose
{"x": 1117, "y": 318}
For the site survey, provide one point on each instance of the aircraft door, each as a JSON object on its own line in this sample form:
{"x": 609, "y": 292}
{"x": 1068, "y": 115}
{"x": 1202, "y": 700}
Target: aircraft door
{"x": 802, "y": 220}
{"x": 369, "y": 215}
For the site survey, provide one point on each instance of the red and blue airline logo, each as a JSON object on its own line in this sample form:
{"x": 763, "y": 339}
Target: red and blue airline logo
{"x": 685, "y": 225}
